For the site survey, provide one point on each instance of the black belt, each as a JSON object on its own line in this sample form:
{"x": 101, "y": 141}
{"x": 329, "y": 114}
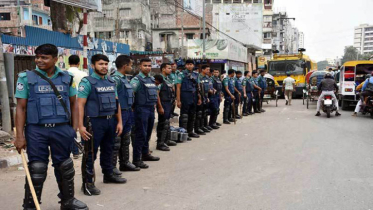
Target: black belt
{"x": 108, "y": 117}
{"x": 52, "y": 125}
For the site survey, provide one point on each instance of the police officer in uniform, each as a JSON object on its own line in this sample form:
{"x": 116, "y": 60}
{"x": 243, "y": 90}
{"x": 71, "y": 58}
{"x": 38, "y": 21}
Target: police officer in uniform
{"x": 146, "y": 96}
{"x": 228, "y": 90}
{"x": 97, "y": 100}
{"x": 126, "y": 100}
{"x": 47, "y": 125}
{"x": 188, "y": 97}
{"x": 164, "y": 105}
{"x": 173, "y": 77}
{"x": 215, "y": 98}
{"x": 263, "y": 85}
{"x": 238, "y": 92}
{"x": 257, "y": 90}
{"x": 248, "y": 88}
{"x": 203, "y": 109}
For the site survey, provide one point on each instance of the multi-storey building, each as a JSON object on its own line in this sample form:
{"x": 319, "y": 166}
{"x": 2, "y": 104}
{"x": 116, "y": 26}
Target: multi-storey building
{"x": 285, "y": 36}
{"x": 31, "y": 13}
{"x": 363, "y": 40}
{"x": 126, "y": 22}
{"x": 301, "y": 40}
{"x": 267, "y": 29}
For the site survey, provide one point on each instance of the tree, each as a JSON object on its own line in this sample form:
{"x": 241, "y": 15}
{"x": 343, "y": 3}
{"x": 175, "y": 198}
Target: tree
{"x": 350, "y": 54}
{"x": 322, "y": 65}
{"x": 66, "y": 18}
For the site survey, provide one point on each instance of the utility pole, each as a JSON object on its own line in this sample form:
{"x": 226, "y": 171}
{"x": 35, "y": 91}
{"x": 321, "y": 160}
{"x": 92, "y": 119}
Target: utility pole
{"x": 85, "y": 41}
{"x": 5, "y": 109}
{"x": 182, "y": 33}
{"x": 204, "y": 31}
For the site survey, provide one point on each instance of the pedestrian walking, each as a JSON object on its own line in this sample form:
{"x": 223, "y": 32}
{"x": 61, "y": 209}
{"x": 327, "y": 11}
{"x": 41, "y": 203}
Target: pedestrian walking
{"x": 97, "y": 101}
{"x": 46, "y": 118}
{"x": 126, "y": 99}
{"x": 74, "y": 63}
{"x": 288, "y": 87}
{"x": 146, "y": 97}
{"x": 188, "y": 97}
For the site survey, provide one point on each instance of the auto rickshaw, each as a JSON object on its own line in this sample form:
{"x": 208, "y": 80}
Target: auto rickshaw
{"x": 270, "y": 93}
{"x": 312, "y": 91}
{"x": 308, "y": 75}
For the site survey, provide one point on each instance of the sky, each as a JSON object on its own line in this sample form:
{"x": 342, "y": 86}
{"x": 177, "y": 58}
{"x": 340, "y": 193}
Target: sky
{"x": 328, "y": 25}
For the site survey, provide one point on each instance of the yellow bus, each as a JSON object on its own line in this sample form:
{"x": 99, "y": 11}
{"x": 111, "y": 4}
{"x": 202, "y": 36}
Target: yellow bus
{"x": 298, "y": 65}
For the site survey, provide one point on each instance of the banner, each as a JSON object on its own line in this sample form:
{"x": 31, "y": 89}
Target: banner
{"x": 194, "y": 6}
{"x": 215, "y": 48}
{"x": 85, "y": 4}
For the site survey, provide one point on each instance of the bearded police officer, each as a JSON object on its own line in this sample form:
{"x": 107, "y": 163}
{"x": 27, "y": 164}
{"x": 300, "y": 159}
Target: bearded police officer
{"x": 97, "y": 100}
{"x": 146, "y": 96}
{"x": 126, "y": 100}
{"x": 47, "y": 118}
{"x": 228, "y": 83}
{"x": 164, "y": 106}
{"x": 215, "y": 98}
{"x": 188, "y": 98}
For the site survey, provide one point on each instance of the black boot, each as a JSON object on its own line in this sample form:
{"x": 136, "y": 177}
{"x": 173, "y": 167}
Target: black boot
{"x": 190, "y": 124}
{"x": 117, "y": 144}
{"x": 140, "y": 164}
{"x": 197, "y": 124}
{"x": 226, "y": 116}
{"x": 38, "y": 173}
{"x": 218, "y": 124}
{"x": 68, "y": 201}
{"x": 169, "y": 142}
{"x": 90, "y": 189}
{"x": 124, "y": 154}
{"x": 111, "y": 178}
{"x": 149, "y": 157}
{"x": 162, "y": 130}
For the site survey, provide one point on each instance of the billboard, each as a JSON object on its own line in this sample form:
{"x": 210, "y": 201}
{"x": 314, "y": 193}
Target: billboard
{"x": 86, "y": 4}
{"x": 194, "y": 6}
{"x": 244, "y": 22}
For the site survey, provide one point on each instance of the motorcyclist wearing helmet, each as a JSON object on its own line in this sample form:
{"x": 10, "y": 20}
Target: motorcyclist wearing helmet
{"x": 360, "y": 102}
{"x": 367, "y": 89}
{"x": 327, "y": 86}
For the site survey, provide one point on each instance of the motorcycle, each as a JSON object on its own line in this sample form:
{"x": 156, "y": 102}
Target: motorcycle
{"x": 328, "y": 105}
{"x": 368, "y": 108}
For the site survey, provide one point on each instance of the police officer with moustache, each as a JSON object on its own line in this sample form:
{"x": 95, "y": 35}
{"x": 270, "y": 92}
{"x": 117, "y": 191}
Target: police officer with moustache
{"x": 215, "y": 98}
{"x": 204, "y": 79}
{"x": 248, "y": 88}
{"x": 97, "y": 101}
{"x": 47, "y": 126}
{"x": 146, "y": 97}
{"x": 228, "y": 90}
{"x": 126, "y": 100}
{"x": 173, "y": 76}
{"x": 164, "y": 105}
{"x": 238, "y": 92}
{"x": 188, "y": 97}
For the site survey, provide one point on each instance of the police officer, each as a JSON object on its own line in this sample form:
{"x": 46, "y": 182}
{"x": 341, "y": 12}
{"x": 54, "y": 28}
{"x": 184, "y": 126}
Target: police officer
{"x": 188, "y": 97}
{"x": 228, "y": 83}
{"x": 248, "y": 88}
{"x": 263, "y": 85}
{"x": 200, "y": 126}
{"x": 238, "y": 92}
{"x": 47, "y": 125}
{"x": 146, "y": 96}
{"x": 164, "y": 105}
{"x": 97, "y": 101}
{"x": 126, "y": 100}
{"x": 257, "y": 90}
{"x": 215, "y": 98}
{"x": 173, "y": 77}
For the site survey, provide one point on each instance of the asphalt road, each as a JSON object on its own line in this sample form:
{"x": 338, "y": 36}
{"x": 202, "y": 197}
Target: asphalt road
{"x": 283, "y": 159}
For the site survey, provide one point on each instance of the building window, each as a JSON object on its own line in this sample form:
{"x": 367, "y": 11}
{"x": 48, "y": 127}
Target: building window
{"x": 126, "y": 12}
{"x": 237, "y": 1}
{"x": 49, "y": 22}
{"x": 267, "y": 35}
{"x": 35, "y": 20}
{"x": 189, "y": 36}
{"x": 4, "y": 16}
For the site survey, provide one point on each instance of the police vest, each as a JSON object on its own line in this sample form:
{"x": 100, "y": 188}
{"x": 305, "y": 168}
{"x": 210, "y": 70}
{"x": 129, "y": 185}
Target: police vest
{"x": 125, "y": 93}
{"x": 101, "y": 101}
{"x": 167, "y": 93}
{"x": 43, "y": 106}
{"x": 239, "y": 85}
{"x": 205, "y": 81}
{"x": 262, "y": 82}
{"x": 147, "y": 94}
{"x": 189, "y": 86}
{"x": 249, "y": 86}
{"x": 217, "y": 85}
{"x": 230, "y": 88}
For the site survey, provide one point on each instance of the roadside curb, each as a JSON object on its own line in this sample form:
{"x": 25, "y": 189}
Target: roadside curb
{"x": 10, "y": 161}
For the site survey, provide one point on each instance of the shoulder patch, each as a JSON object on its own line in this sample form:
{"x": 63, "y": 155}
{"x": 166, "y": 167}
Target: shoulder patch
{"x": 20, "y": 86}
{"x": 81, "y": 88}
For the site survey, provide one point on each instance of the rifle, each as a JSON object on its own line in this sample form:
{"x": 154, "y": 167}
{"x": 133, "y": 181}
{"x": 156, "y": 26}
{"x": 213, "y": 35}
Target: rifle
{"x": 88, "y": 146}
